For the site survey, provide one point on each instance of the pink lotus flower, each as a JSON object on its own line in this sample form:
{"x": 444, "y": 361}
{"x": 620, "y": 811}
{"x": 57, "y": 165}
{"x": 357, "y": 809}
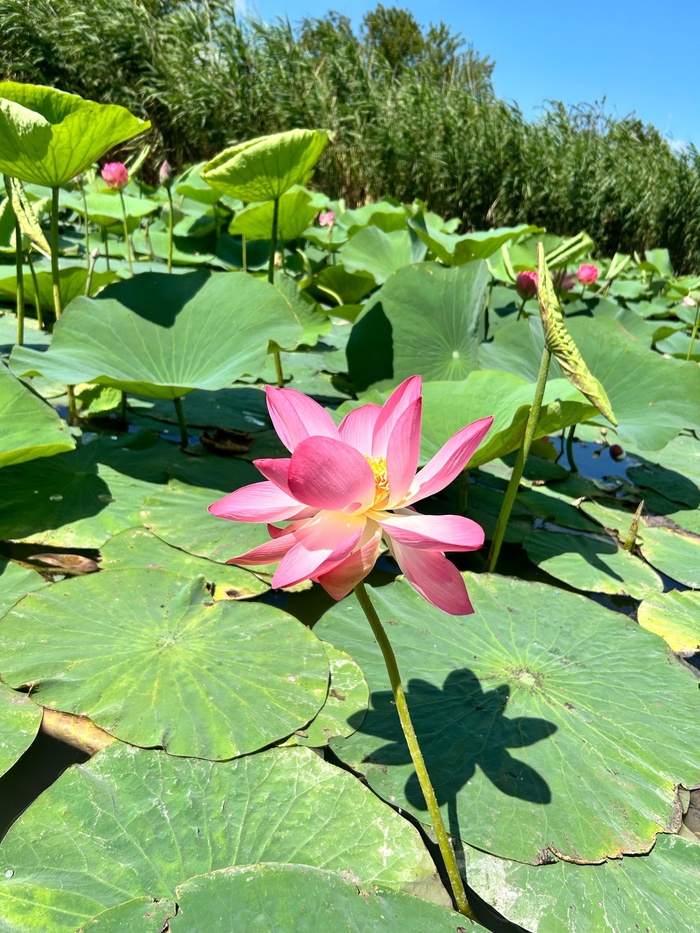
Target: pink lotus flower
{"x": 346, "y": 487}
{"x": 115, "y": 175}
{"x": 587, "y": 274}
{"x": 165, "y": 174}
{"x": 564, "y": 280}
{"x": 526, "y": 284}
{"x": 689, "y": 302}
{"x": 326, "y": 219}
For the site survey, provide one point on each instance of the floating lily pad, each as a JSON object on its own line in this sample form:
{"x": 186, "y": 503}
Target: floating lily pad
{"x": 140, "y": 915}
{"x": 143, "y": 822}
{"x": 348, "y": 696}
{"x": 20, "y": 719}
{"x": 534, "y": 735}
{"x": 161, "y": 336}
{"x": 16, "y": 582}
{"x": 30, "y": 427}
{"x": 139, "y": 549}
{"x": 588, "y": 562}
{"x": 82, "y": 498}
{"x": 152, "y": 659}
{"x": 277, "y": 898}
{"x": 675, "y": 616}
{"x": 658, "y": 891}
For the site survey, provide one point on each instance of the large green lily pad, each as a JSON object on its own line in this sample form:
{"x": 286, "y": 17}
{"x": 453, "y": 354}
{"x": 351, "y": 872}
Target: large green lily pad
{"x": 105, "y": 209}
{"x": 142, "y": 822}
{"x": 48, "y": 136}
{"x": 152, "y": 659}
{"x": 534, "y": 737}
{"x": 456, "y": 250}
{"x": 435, "y": 320}
{"x": 263, "y": 169}
{"x": 73, "y": 282}
{"x": 30, "y": 427}
{"x": 591, "y": 563}
{"x": 20, "y": 719}
{"x": 675, "y": 616}
{"x": 16, "y": 582}
{"x": 655, "y": 892}
{"x": 380, "y": 254}
{"x": 162, "y": 336}
{"x": 297, "y": 209}
{"x": 277, "y": 898}
{"x": 82, "y": 498}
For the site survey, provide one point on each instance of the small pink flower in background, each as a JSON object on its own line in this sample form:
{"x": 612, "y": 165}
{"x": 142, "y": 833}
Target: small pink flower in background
{"x": 689, "y": 302}
{"x": 346, "y": 487}
{"x": 564, "y": 280}
{"x": 115, "y": 175}
{"x": 587, "y": 274}
{"x": 326, "y": 219}
{"x": 165, "y": 174}
{"x": 526, "y": 284}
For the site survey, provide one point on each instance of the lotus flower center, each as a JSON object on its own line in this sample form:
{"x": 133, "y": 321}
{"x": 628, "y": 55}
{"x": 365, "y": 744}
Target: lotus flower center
{"x": 381, "y": 480}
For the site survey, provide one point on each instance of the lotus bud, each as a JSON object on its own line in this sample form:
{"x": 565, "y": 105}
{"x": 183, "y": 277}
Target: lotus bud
{"x": 115, "y": 175}
{"x": 165, "y": 174}
{"x": 587, "y": 274}
{"x": 564, "y": 280}
{"x": 526, "y": 284}
{"x": 616, "y": 452}
{"x": 326, "y": 219}
{"x": 689, "y": 302}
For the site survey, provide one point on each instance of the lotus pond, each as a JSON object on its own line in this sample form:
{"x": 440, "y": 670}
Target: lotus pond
{"x": 186, "y": 746}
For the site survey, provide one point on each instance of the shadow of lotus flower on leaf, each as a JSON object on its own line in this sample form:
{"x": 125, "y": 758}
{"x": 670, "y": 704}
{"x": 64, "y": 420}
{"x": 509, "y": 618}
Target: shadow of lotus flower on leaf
{"x": 460, "y": 728}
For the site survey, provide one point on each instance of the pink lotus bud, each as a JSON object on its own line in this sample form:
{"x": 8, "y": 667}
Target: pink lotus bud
{"x": 587, "y": 274}
{"x": 326, "y": 219}
{"x": 115, "y": 175}
{"x": 689, "y": 302}
{"x": 165, "y": 174}
{"x": 526, "y": 284}
{"x": 564, "y": 280}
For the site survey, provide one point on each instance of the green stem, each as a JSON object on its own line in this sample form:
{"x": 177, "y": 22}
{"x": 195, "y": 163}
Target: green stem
{"x": 87, "y": 230}
{"x": 443, "y": 840}
{"x": 55, "y": 274}
{"x": 244, "y": 249}
{"x": 695, "y": 329}
{"x": 91, "y": 270}
{"x": 105, "y": 240}
{"x": 182, "y": 423}
{"x": 570, "y": 449}
{"x": 520, "y": 461}
{"x": 521, "y": 310}
{"x": 171, "y": 228}
{"x": 127, "y": 244}
{"x": 271, "y": 280}
{"x": 37, "y": 296}
{"x": 19, "y": 272}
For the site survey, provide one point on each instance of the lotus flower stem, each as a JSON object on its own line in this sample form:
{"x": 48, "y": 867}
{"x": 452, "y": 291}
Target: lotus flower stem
{"x": 127, "y": 244}
{"x": 87, "y": 222}
{"x": 182, "y": 422}
{"x": 695, "y": 329}
{"x": 244, "y": 250}
{"x": 520, "y": 461}
{"x": 570, "y": 449}
{"x": 105, "y": 240}
{"x": 426, "y": 786}
{"x": 19, "y": 262}
{"x": 37, "y": 295}
{"x": 171, "y": 228}
{"x": 55, "y": 274}
{"x": 271, "y": 280}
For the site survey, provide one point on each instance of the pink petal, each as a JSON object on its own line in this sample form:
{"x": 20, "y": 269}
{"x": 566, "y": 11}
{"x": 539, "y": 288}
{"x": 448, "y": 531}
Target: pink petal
{"x": 357, "y": 427}
{"x": 331, "y": 536}
{"x": 329, "y": 474}
{"x": 449, "y": 461}
{"x": 268, "y": 553}
{"x": 345, "y": 575}
{"x": 392, "y": 409}
{"x": 434, "y": 532}
{"x": 402, "y": 452}
{"x": 296, "y": 416}
{"x": 260, "y": 502}
{"x": 276, "y": 470}
{"x": 434, "y": 577}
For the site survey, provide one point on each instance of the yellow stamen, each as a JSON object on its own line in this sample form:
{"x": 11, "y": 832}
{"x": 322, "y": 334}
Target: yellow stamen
{"x": 381, "y": 479}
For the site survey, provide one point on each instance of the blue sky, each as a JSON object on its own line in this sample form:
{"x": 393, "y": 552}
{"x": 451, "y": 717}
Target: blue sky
{"x": 640, "y": 56}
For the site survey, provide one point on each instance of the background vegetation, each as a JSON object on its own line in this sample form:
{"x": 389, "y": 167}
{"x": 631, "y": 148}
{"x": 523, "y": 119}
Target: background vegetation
{"x": 413, "y": 109}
